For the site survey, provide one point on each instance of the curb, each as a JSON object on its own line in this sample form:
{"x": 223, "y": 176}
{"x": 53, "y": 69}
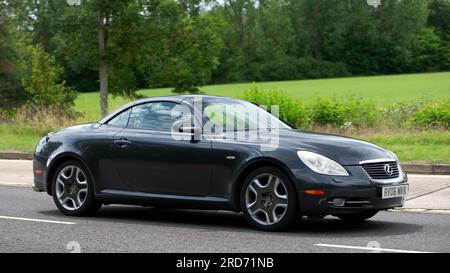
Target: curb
{"x": 413, "y": 168}
{"x": 419, "y": 168}
{"x": 418, "y": 210}
{"x": 16, "y": 155}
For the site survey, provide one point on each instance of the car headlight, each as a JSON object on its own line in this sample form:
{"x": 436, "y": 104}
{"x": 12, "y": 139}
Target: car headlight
{"x": 321, "y": 164}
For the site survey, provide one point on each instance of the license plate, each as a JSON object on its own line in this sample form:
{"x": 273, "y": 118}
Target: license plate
{"x": 394, "y": 191}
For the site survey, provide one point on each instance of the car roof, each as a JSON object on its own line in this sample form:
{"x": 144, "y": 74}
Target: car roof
{"x": 182, "y": 98}
{"x": 175, "y": 98}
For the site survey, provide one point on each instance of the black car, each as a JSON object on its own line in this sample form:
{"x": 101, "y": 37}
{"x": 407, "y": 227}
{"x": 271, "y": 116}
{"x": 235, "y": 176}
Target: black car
{"x": 207, "y": 152}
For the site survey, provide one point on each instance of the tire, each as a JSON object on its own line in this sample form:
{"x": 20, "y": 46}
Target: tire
{"x": 357, "y": 217}
{"x": 269, "y": 206}
{"x": 73, "y": 190}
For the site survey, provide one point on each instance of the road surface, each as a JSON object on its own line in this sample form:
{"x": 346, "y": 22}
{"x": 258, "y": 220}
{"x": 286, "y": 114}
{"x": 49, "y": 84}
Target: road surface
{"x": 30, "y": 222}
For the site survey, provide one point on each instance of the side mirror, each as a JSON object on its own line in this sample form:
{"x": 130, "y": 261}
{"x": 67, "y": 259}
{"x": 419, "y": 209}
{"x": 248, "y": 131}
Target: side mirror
{"x": 195, "y": 131}
{"x": 180, "y": 127}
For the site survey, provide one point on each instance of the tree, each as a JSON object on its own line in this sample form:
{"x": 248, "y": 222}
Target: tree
{"x": 118, "y": 46}
{"x": 104, "y": 35}
{"x": 368, "y": 40}
{"x": 41, "y": 79}
{"x": 256, "y": 32}
{"x": 11, "y": 93}
{"x": 192, "y": 55}
{"x": 181, "y": 48}
{"x": 439, "y": 18}
{"x": 38, "y": 19}
{"x": 431, "y": 53}
{"x": 319, "y": 26}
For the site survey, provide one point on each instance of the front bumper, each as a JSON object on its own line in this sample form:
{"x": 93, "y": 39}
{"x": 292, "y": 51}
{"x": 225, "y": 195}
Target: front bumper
{"x": 39, "y": 172}
{"x": 360, "y": 192}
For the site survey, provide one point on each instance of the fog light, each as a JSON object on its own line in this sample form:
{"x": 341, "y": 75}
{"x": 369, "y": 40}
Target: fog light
{"x": 338, "y": 202}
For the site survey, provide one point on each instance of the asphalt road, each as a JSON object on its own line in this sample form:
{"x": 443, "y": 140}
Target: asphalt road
{"x": 29, "y": 222}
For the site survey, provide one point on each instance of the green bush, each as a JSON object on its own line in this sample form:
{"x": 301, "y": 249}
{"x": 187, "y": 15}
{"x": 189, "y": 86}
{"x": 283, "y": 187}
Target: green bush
{"x": 353, "y": 112}
{"x": 433, "y": 115}
{"x": 360, "y": 112}
{"x": 326, "y": 111}
{"x": 290, "y": 110}
{"x": 41, "y": 80}
{"x": 123, "y": 81}
{"x": 399, "y": 114}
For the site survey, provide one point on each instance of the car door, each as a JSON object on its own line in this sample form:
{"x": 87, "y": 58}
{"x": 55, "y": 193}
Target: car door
{"x": 151, "y": 158}
{"x": 100, "y": 152}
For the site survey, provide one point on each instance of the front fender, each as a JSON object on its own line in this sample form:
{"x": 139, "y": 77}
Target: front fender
{"x": 53, "y": 162}
{"x": 248, "y": 167}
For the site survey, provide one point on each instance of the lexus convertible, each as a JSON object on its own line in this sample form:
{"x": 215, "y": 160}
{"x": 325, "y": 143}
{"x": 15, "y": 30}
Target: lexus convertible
{"x": 216, "y": 153}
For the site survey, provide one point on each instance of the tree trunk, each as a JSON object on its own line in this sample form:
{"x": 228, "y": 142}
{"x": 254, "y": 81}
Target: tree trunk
{"x": 103, "y": 65}
{"x": 103, "y": 73}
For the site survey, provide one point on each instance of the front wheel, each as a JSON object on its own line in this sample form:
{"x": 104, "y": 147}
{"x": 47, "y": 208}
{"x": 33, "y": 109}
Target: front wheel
{"x": 268, "y": 200}
{"x": 357, "y": 217}
{"x": 73, "y": 191}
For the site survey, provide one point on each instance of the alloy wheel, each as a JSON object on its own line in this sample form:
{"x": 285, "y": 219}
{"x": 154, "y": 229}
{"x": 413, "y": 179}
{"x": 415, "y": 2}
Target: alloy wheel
{"x": 266, "y": 199}
{"x": 71, "y": 187}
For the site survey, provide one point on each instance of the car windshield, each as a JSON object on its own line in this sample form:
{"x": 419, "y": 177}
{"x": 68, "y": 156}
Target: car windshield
{"x": 237, "y": 115}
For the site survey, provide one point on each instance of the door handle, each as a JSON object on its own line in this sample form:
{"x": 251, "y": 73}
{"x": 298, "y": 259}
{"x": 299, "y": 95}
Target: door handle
{"x": 122, "y": 142}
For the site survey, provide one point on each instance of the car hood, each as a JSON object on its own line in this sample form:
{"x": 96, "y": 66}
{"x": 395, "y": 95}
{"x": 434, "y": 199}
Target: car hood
{"x": 77, "y": 128}
{"x": 345, "y": 150}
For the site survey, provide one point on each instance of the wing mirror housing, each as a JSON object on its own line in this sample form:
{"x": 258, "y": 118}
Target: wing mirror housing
{"x": 194, "y": 130}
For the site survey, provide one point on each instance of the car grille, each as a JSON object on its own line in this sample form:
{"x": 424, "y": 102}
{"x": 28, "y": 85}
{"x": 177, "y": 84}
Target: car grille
{"x": 377, "y": 170}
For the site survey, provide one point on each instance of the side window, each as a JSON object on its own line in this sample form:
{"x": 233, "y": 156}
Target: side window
{"x": 158, "y": 116}
{"x": 121, "y": 119}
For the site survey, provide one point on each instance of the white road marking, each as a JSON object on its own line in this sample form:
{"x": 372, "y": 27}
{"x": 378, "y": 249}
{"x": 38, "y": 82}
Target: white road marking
{"x": 36, "y": 220}
{"x": 371, "y": 248}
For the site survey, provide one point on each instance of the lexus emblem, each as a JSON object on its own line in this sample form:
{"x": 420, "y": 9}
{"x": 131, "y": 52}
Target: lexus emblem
{"x": 388, "y": 169}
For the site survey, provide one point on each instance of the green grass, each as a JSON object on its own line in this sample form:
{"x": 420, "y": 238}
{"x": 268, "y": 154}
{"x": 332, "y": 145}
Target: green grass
{"x": 416, "y": 147}
{"x": 382, "y": 90}
{"x": 18, "y": 138}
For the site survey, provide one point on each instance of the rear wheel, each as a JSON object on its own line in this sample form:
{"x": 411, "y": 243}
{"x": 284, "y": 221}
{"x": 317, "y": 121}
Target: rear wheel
{"x": 268, "y": 200}
{"x": 73, "y": 191}
{"x": 357, "y": 217}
